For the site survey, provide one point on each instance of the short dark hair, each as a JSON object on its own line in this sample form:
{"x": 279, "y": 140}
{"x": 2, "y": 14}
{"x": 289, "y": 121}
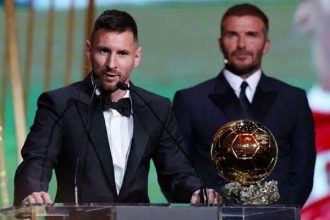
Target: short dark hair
{"x": 246, "y": 9}
{"x": 116, "y": 21}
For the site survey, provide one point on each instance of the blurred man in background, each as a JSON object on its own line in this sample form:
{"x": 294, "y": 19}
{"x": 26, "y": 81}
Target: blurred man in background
{"x": 243, "y": 91}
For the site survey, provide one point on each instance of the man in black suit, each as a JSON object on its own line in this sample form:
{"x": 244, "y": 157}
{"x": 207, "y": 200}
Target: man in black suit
{"x": 100, "y": 139}
{"x": 283, "y": 109}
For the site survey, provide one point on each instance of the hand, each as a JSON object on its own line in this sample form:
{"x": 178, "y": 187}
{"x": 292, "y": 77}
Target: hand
{"x": 37, "y": 198}
{"x": 213, "y": 197}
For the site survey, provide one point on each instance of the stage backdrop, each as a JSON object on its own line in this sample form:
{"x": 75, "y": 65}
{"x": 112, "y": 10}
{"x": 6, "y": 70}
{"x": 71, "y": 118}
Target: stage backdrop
{"x": 180, "y": 49}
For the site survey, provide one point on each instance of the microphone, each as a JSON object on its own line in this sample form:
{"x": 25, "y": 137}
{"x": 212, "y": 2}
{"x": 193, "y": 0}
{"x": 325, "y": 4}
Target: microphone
{"x": 124, "y": 86}
{"x": 96, "y": 92}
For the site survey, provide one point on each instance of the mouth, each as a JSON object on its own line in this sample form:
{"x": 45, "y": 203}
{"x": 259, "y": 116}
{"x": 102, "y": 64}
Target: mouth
{"x": 110, "y": 79}
{"x": 110, "y": 76}
{"x": 242, "y": 55}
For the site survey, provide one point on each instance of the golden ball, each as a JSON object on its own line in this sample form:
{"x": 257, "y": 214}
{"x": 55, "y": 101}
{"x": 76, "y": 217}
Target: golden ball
{"x": 244, "y": 151}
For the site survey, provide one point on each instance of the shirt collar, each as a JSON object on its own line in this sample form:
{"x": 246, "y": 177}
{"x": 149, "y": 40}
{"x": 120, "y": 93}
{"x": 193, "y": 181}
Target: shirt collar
{"x": 235, "y": 81}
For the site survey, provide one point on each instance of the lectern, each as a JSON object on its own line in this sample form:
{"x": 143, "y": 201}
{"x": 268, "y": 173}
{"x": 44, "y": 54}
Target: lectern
{"x": 150, "y": 212}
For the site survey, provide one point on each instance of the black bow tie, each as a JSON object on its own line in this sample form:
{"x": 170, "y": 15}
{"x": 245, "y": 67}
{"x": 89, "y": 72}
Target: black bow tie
{"x": 123, "y": 106}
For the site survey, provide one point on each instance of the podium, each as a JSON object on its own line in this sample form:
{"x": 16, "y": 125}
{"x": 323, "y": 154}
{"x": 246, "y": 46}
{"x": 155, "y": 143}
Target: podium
{"x": 150, "y": 212}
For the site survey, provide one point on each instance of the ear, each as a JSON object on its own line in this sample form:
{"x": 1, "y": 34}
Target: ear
{"x": 267, "y": 46}
{"x": 225, "y": 60}
{"x": 88, "y": 50}
{"x": 220, "y": 44}
{"x": 137, "y": 56}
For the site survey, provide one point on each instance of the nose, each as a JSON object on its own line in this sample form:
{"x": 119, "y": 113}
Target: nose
{"x": 112, "y": 64}
{"x": 241, "y": 42}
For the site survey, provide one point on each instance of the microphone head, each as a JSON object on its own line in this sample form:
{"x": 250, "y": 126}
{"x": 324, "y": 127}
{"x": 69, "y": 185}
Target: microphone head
{"x": 122, "y": 86}
{"x": 97, "y": 85}
{"x": 97, "y": 92}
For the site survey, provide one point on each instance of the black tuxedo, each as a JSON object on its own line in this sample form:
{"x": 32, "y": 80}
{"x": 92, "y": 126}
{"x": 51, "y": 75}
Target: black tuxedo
{"x": 56, "y": 137}
{"x": 283, "y": 109}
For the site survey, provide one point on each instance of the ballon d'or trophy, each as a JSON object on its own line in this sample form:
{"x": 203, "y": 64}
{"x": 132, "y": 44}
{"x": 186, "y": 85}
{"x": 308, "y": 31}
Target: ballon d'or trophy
{"x": 244, "y": 152}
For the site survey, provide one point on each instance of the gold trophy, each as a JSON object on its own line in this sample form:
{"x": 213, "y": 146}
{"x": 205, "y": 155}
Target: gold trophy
{"x": 244, "y": 152}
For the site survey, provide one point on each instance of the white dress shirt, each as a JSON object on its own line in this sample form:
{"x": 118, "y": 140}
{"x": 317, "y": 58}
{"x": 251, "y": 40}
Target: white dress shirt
{"x": 235, "y": 82}
{"x": 120, "y": 133}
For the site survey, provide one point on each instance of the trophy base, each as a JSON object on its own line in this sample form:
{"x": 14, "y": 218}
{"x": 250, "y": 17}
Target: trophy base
{"x": 254, "y": 194}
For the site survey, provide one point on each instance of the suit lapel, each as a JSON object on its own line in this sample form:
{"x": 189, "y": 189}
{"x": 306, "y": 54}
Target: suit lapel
{"x": 139, "y": 140}
{"x": 97, "y": 132}
{"x": 263, "y": 99}
{"x": 99, "y": 140}
{"x": 225, "y": 99}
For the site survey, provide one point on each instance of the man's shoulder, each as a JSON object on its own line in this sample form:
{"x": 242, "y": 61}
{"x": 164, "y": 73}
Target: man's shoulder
{"x": 61, "y": 96}
{"x": 200, "y": 88}
{"x": 71, "y": 88}
{"x": 281, "y": 85}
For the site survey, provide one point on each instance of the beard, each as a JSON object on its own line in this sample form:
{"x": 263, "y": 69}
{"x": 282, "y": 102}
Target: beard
{"x": 108, "y": 90}
{"x": 242, "y": 69}
{"x": 105, "y": 88}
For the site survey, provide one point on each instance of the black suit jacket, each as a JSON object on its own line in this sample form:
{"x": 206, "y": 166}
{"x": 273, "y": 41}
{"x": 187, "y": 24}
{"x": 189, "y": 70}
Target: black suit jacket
{"x": 283, "y": 109}
{"x": 56, "y": 137}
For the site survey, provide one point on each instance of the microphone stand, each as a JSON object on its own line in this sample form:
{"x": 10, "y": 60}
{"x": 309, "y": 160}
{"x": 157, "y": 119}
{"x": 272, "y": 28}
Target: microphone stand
{"x": 123, "y": 86}
{"x": 84, "y": 139}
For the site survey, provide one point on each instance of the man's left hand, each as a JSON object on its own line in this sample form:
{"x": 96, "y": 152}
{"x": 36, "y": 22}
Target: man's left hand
{"x": 213, "y": 197}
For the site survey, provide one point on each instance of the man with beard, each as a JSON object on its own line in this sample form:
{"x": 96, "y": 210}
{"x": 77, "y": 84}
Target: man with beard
{"x": 243, "y": 91}
{"x": 100, "y": 139}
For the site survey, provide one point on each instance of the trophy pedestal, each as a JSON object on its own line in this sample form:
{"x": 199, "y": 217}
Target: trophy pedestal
{"x": 253, "y": 194}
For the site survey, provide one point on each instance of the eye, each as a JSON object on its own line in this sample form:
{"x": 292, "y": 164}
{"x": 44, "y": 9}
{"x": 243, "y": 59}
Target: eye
{"x": 253, "y": 34}
{"x": 104, "y": 50}
{"x": 122, "y": 53}
{"x": 231, "y": 34}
